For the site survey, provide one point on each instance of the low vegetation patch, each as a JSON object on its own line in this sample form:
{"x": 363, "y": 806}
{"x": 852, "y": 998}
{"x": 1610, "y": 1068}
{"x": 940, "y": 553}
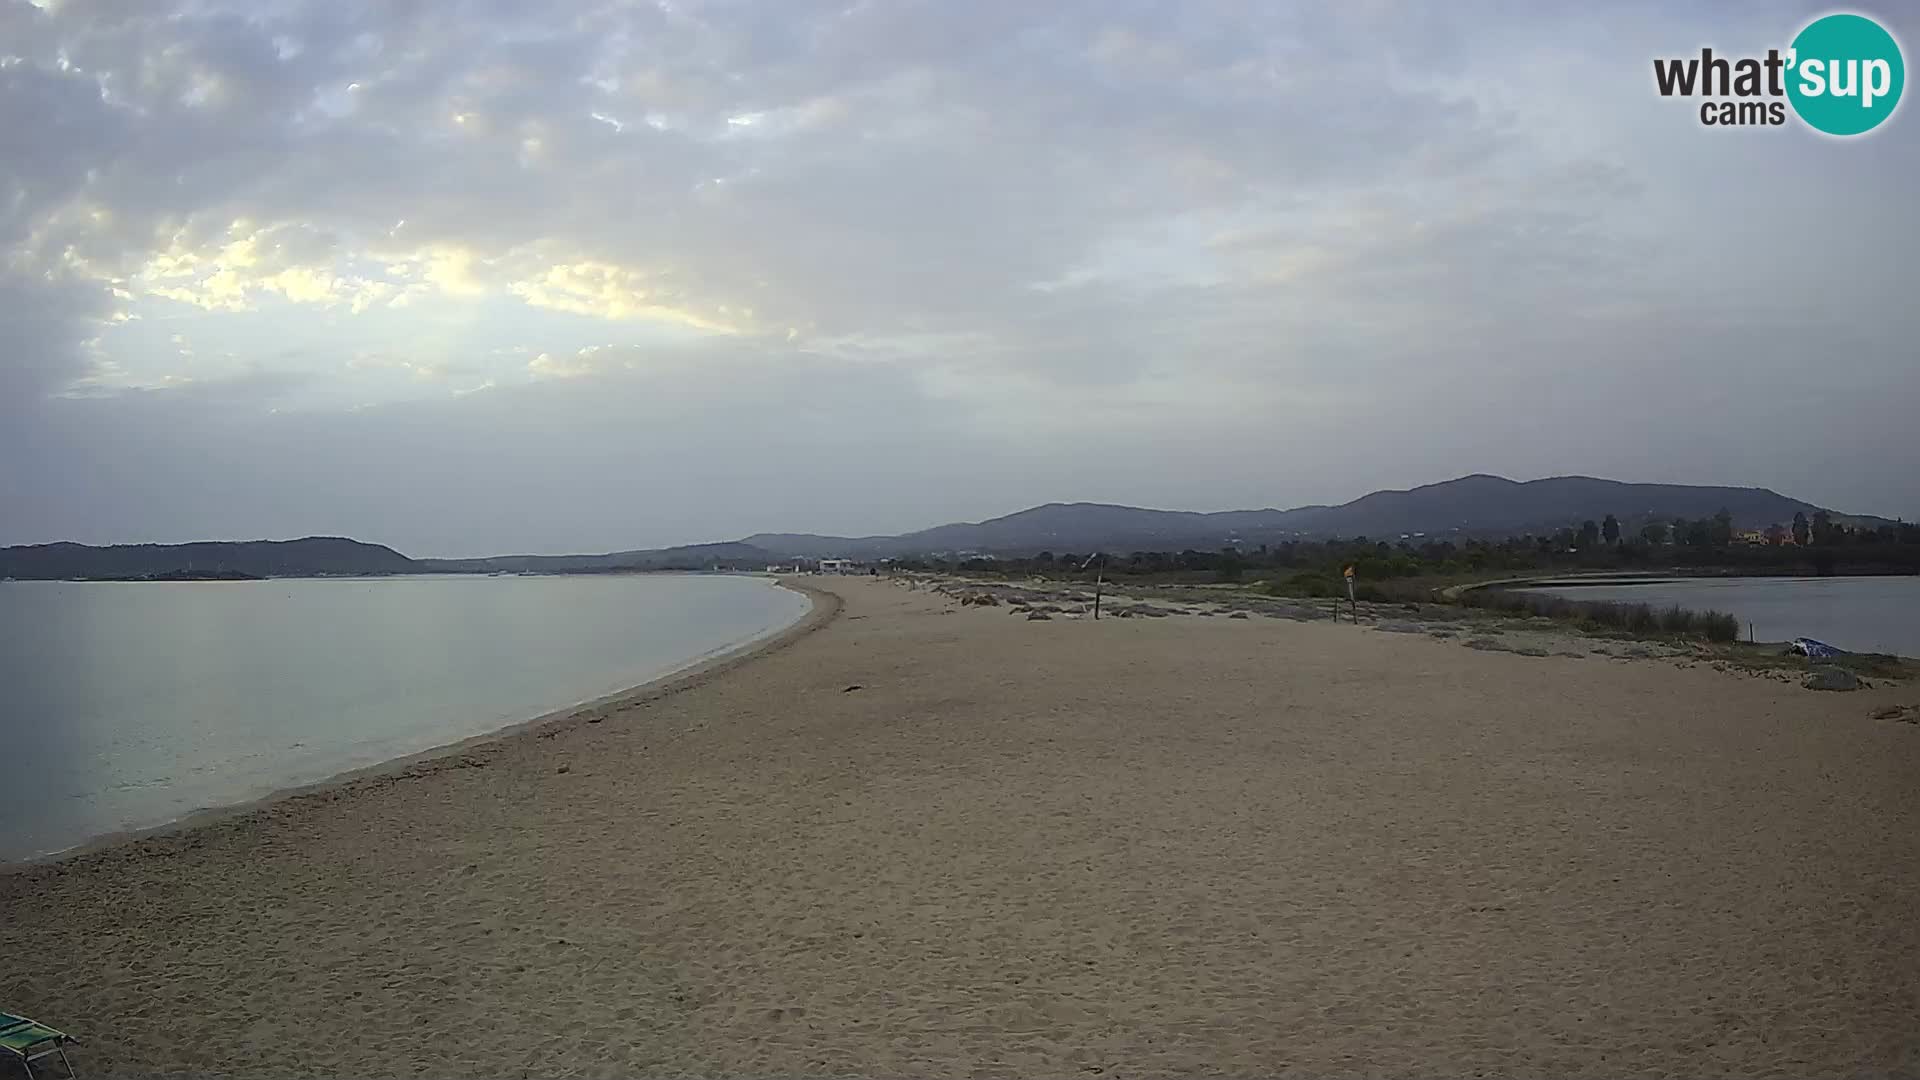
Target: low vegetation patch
{"x": 1610, "y": 615}
{"x": 1597, "y": 616}
{"x": 1306, "y": 585}
{"x": 1760, "y": 658}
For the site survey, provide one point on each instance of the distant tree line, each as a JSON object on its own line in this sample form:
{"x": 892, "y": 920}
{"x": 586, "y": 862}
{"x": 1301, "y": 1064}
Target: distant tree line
{"x": 1313, "y": 567}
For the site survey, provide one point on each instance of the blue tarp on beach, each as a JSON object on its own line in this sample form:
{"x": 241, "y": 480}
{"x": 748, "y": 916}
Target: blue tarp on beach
{"x": 1812, "y": 650}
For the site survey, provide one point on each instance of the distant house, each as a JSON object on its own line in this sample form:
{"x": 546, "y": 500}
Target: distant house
{"x": 837, "y": 566}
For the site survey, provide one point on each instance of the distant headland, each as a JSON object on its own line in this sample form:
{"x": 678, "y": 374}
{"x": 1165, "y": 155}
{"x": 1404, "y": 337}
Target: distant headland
{"x": 1471, "y": 507}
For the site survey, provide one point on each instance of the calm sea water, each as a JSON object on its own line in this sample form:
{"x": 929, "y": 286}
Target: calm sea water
{"x": 1860, "y": 614}
{"x": 128, "y": 705}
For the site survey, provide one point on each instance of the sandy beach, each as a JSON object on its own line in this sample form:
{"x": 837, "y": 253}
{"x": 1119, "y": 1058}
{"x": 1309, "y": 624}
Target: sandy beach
{"x": 922, "y": 839}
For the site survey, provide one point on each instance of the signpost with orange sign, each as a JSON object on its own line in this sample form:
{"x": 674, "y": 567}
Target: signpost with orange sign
{"x": 1352, "y": 604}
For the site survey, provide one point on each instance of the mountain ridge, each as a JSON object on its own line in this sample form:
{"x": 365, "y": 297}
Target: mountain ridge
{"x": 732, "y": 553}
{"x": 1479, "y": 504}
{"x": 1476, "y": 504}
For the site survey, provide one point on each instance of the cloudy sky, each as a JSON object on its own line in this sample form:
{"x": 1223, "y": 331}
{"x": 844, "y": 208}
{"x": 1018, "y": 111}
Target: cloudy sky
{"x": 494, "y": 276}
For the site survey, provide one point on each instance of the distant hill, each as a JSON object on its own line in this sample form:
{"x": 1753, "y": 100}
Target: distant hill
{"x": 1058, "y": 527}
{"x": 1471, "y": 505}
{"x": 722, "y": 556}
{"x": 307, "y": 557}
{"x": 325, "y": 555}
{"x": 1482, "y": 503}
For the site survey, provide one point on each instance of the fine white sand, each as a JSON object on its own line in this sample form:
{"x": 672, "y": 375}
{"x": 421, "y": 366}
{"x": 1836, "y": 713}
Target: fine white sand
{"x": 1069, "y": 848}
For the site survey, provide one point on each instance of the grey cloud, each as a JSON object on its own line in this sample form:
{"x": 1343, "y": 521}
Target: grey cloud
{"x": 1200, "y": 255}
{"x": 506, "y": 467}
{"x": 43, "y": 326}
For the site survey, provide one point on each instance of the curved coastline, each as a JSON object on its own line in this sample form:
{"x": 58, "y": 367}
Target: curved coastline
{"x": 464, "y": 753}
{"x": 932, "y": 832}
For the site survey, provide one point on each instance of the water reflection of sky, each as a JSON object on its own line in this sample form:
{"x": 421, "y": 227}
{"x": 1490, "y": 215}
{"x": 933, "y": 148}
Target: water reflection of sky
{"x": 125, "y": 705}
{"x": 1860, "y": 614}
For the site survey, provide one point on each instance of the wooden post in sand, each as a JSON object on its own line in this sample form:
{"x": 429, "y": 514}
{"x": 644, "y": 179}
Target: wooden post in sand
{"x": 1099, "y": 578}
{"x": 1352, "y": 604}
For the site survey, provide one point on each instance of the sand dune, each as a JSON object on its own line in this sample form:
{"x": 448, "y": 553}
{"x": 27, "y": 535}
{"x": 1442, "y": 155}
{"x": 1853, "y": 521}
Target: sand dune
{"x": 1130, "y": 847}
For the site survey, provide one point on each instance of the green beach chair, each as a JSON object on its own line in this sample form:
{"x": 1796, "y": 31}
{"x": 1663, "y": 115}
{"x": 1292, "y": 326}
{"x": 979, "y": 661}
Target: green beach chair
{"x": 29, "y": 1041}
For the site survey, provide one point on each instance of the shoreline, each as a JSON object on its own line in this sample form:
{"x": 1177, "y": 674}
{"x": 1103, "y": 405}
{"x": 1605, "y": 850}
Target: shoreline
{"x": 1664, "y": 578}
{"x": 1444, "y": 607}
{"x": 823, "y": 608}
{"x": 928, "y": 837}
{"x": 201, "y": 579}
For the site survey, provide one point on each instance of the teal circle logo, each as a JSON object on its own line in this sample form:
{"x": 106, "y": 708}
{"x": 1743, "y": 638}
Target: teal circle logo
{"x": 1845, "y": 74}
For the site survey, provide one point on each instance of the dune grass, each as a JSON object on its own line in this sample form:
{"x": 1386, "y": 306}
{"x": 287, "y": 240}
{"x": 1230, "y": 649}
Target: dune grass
{"x": 1640, "y": 619}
